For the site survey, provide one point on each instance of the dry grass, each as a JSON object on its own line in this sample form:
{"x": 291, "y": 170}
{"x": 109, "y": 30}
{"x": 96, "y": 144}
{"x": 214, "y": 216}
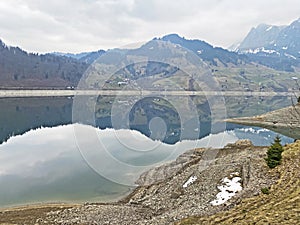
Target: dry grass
{"x": 30, "y": 214}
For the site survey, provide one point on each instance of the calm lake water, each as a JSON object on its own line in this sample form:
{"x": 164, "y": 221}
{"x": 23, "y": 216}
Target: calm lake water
{"x": 45, "y": 157}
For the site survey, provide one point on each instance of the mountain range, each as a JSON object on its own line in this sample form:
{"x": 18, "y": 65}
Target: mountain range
{"x": 266, "y": 46}
{"x": 86, "y": 57}
{"x": 274, "y": 46}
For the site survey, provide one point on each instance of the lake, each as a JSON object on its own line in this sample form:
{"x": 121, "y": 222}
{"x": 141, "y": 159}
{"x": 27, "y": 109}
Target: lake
{"x": 55, "y": 151}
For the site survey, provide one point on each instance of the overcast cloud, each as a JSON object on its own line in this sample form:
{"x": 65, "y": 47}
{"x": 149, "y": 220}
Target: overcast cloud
{"x": 86, "y": 25}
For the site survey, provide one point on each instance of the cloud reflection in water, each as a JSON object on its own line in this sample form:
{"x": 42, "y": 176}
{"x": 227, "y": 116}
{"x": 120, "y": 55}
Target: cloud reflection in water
{"x": 46, "y": 165}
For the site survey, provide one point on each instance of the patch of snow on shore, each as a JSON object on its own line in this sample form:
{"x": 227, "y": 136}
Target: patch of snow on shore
{"x": 228, "y": 189}
{"x": 191, "y": 180}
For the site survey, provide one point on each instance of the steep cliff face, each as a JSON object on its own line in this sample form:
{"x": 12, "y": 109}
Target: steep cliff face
{"x": 260, "y": 36}
{"x": 274, "y": 46}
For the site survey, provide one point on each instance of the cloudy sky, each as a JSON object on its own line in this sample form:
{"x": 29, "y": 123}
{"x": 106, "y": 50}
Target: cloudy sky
{"x": 85, "y": 25}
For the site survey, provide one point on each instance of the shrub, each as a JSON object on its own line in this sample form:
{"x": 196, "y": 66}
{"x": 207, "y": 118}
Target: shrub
{"x": 274, "y": 153}
{"x": 265, "y": 190}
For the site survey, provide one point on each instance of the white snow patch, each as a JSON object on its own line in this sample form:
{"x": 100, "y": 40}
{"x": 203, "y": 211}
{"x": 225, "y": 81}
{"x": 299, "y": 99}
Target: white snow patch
{"x": 262, "y": 130}
{"x": 290, "y": 56}
{"x": 269, "y": 28}
{"x": 228, "y": 189}
{"x": 268, "y": 51}
{"x": 235, "y": 47}
{"x": 252, "y": 130}
{"x": 257, "y": 50}
{"x": 191, "y": 180}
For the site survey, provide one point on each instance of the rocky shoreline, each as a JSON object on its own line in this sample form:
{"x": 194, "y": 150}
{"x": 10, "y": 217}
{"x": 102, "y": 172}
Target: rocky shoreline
{"x": 180, "y": 189}
{"x": 285, "y": 121}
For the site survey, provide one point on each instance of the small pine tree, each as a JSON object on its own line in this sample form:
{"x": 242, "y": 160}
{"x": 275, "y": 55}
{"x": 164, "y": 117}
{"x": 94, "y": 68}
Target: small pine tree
{"x": 274, "y": 153}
